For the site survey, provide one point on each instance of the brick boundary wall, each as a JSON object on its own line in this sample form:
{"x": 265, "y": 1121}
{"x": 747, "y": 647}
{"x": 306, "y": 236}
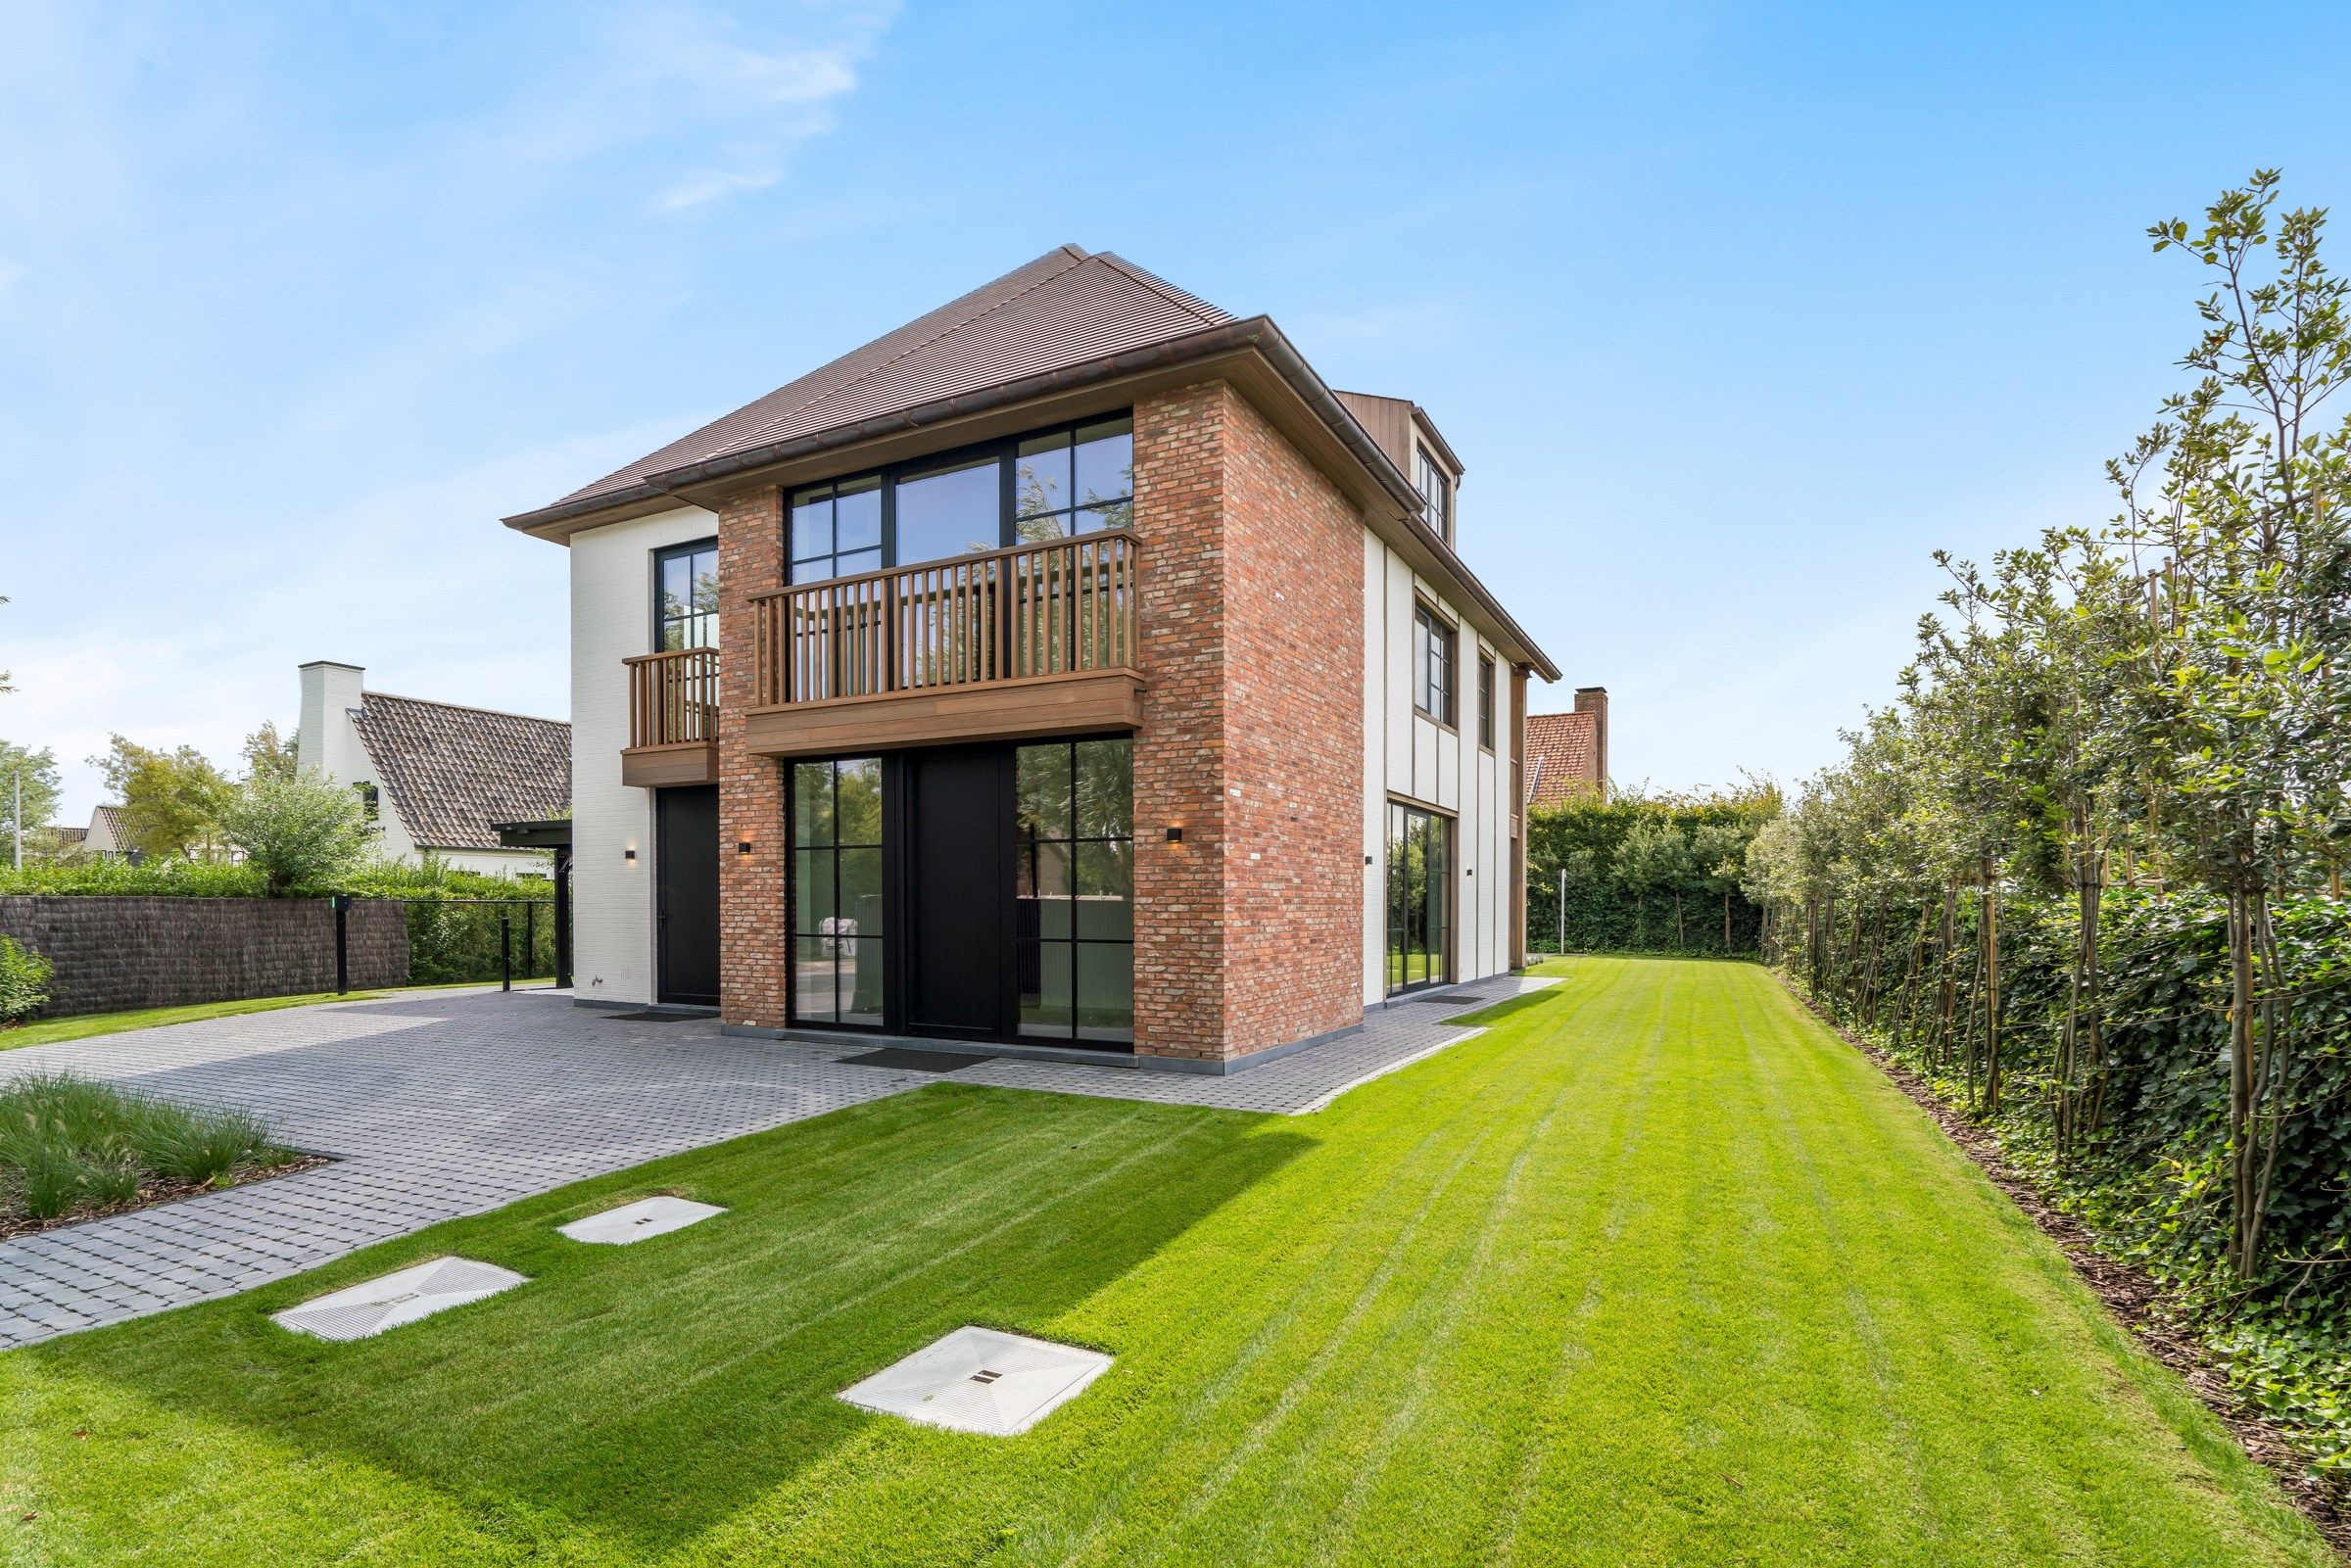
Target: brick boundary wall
{"x": 112, "y": 954}
{"x": 754, "y": 931}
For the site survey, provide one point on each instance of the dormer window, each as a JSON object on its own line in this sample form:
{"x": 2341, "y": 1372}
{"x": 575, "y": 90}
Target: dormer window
{"x": 1436, "y": 488}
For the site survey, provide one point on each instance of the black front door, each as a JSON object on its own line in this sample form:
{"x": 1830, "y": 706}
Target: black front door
{"x": 685, "y": 862}
{"x": 957, "y": 810}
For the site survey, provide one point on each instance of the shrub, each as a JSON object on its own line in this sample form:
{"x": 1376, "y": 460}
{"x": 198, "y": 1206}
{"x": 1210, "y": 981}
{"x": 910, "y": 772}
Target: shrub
{"x": 24, "y": 982}
{"x": 302, "y": 831}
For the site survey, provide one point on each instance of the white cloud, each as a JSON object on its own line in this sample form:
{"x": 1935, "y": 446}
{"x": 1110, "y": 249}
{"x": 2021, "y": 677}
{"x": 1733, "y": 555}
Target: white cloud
{"x": 696, "y": 189}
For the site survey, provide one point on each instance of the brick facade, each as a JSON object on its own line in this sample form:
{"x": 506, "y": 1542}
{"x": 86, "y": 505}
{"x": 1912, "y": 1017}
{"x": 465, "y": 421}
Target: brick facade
{"x": 110, "y": 954}
{"x": 1294, "y": 746}
{"x": 1247, "y": 932}
{"x": 1180, "y": 911}
{"x": 755, "y": 930}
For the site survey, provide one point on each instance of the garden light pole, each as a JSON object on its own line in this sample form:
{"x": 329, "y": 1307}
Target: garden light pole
{"x": 18, "y": 816}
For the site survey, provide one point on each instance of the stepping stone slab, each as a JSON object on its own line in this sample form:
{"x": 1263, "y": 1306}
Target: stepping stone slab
{"x": 649, "y": 1217}
{"x": 365, "y": 1310}
{"x": 981, "y": 1380}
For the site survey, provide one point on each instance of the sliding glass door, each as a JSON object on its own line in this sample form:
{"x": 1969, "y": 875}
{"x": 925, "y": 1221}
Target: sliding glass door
{"x": 1419, "y": 899}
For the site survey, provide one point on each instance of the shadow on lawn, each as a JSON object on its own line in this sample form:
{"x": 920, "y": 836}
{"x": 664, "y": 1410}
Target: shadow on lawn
{"x": 646, "y": 1393}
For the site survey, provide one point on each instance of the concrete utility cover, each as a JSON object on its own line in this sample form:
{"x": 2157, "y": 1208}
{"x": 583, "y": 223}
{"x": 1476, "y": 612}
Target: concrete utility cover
{"x": 980, "y": 1380}
{"x": 649, "y": 1217}
{"x": 365, "y": 1310}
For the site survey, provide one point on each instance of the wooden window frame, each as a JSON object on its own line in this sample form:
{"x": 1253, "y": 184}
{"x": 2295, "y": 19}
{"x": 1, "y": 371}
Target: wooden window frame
{"x": 1449, "y": 632}
{"x": 1485, "y": 702}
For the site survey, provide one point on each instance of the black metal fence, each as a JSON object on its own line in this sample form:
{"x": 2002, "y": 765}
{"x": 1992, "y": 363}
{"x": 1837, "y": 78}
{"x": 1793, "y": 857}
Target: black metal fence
{"x": 454, "y": 941}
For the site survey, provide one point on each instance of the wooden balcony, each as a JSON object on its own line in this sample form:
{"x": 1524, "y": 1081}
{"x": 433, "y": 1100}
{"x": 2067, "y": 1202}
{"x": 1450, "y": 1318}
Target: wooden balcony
{"x": 673, "y": 719}
{"x": 1037, "y": 639}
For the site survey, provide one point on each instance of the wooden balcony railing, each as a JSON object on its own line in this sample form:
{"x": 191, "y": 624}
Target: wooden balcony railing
{"x": 673, "y": 697}
{"x": 1064, "y": 607}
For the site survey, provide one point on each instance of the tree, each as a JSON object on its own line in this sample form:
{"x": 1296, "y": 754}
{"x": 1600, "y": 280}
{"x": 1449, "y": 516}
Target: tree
{"x": 173, "y": 801}
{"x": 268, "y": 754}
{"x": 1653, "y": 857}
{"x": 2250, "y": 621}
{"x": 38, "y": 772}
{"x": 300, "y": 830}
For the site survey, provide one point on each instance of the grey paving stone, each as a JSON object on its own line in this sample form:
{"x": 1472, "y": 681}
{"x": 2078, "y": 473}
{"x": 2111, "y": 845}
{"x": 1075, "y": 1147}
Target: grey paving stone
{"x": 437, "y": 1106}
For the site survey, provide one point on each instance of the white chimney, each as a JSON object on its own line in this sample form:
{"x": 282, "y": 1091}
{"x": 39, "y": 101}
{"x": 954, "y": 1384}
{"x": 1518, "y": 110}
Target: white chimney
{"x": 326, "y": 742}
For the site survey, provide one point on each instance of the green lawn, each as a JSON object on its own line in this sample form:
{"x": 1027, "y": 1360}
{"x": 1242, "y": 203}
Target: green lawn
{"x": 1654, "y": 1272}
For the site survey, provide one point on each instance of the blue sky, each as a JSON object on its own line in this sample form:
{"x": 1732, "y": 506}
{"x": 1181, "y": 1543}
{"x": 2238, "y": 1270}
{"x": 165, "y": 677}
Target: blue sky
{"x": 1733, "y": 312}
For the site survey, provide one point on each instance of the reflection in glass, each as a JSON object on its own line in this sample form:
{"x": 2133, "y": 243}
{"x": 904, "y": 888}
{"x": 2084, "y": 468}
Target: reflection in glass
{"x": 1046, "y": 988}
{"x": 837, "y": 898}
{"x": 1105, "y": 789}
{"x": 1419, "y": 899}
{"x": 1075, "y": 813}
{"x": 685, "y": 598}
{"x": 949, "y": 512}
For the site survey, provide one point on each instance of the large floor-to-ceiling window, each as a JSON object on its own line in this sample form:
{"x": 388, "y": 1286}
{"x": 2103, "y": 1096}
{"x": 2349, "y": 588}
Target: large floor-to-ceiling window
{"x": 1074, "y": 888}
{"x": 1051, "y": 484}
{"x": 1419, "y": 899}
{"x": 837, "y": 892}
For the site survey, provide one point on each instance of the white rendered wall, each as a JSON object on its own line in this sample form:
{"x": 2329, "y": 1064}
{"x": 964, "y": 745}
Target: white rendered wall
{"x": 328, "y": 743}
{"x": 1410, "y": 757}
{"x": 611, "y": 619}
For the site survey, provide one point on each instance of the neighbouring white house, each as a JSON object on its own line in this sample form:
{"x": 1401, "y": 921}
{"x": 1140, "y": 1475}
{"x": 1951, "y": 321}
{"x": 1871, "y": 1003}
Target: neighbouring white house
{"x": 104, "y": 835}
{"x": 435, "y": 776}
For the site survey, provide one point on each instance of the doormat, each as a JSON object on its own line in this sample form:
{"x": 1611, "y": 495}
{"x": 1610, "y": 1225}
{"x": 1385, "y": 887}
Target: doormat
{"x": 363, "y": 1311}
{"x": 903, "y": 1060}
{"x": 654, "y": 1016}
{"x": 981, "y": 1380}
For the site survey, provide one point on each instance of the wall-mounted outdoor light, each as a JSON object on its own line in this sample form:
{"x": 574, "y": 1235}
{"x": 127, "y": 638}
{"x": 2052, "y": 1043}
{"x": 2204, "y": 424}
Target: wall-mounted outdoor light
{"x": 1174, "y": 835}
{"x": 629, "y": 855}
{"x": 742, "y": 846}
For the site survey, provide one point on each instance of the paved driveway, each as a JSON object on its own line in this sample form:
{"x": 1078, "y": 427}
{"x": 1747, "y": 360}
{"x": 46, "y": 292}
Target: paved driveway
{"x": 452, "y": 1103}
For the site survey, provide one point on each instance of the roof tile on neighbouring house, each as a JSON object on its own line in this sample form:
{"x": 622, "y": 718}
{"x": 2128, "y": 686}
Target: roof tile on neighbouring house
{"x": 1563, "y": 757}
{"x": 453, "y": 772}
{"x": 1064, "y": 308}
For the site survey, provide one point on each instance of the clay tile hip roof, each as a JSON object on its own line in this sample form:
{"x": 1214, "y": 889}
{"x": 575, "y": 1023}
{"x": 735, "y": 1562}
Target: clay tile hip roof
{"x": 1563, "y": 757}
{"x": 453, "y": 772}
{"x": 1064, "y": 308}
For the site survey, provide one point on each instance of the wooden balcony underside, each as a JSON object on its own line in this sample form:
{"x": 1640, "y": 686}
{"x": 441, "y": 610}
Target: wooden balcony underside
{"x": 1080, "y": 703}
{"x": 689, "y": 762}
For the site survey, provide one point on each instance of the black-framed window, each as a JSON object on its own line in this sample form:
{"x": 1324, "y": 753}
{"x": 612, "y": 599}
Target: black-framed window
{"x": 1419, "y": 947}
{"x": 1075, "y": 481}
{"x": 1436, "y": 488}
{"x": 834, "y": 529}
{"x": 686, "y": 597}
{"x": 1075, "y": 478}
{"x": 1485, "y": 702}
{"x": 1075, "y": 889}
{"x": 836, "y": 930}
{"x": 1433, "y": 680}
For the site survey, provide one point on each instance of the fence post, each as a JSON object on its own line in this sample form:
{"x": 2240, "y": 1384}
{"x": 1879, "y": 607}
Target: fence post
{"x": 506, "y": 951}
{"x": 530, "y": 940}
{"x": 342, "y": 903}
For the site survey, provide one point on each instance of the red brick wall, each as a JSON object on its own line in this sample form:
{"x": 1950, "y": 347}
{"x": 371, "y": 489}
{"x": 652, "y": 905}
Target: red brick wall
{"x": 1294, "y": 749}
{"x": 1179, "y": 751}
{"x": 754, "y": 935}
{"x": 1248, "y": 934}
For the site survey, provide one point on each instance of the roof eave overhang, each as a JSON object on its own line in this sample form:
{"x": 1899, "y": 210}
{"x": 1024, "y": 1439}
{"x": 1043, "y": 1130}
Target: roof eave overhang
{"x": 1328, "y": 434}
